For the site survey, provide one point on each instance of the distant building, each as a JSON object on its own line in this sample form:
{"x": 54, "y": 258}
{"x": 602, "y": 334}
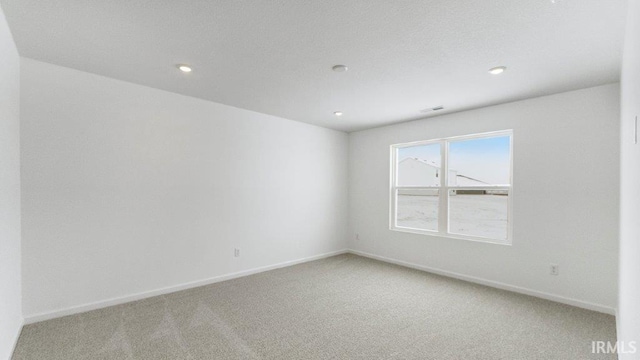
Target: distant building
{"x": 419, "y": 172}
{"x": 424, "y": 173}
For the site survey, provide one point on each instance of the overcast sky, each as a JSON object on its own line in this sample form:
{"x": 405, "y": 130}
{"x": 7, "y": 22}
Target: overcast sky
{"x": 484, "y": 159}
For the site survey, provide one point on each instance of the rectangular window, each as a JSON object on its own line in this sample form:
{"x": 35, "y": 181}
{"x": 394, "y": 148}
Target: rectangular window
{"x": 457, "y": 187}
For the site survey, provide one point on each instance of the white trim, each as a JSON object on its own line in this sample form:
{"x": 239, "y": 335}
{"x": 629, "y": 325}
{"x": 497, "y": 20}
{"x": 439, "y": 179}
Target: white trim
{"x": 617, "y": 315}
{"x": 16, "y": 338}
{"x": 451, "y": 236}
{"x": 443, "y": 204}
{"x": 444, "y": 188}
{"x": 495, "y": 284}
{"x": 170, "y": 289}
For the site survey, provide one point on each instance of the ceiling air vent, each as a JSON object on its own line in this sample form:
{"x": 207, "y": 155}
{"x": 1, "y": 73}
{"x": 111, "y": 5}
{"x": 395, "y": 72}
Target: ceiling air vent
{"x": 437, "y": 108}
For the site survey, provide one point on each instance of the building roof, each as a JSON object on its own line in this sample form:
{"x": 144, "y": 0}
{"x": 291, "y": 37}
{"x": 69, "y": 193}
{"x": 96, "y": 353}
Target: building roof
{"x": 461, "y": 180}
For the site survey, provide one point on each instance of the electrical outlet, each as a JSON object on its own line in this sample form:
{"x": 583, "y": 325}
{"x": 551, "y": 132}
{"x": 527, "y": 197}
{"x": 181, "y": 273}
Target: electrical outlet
{"x": 554, "y": 270}
{"x": 236, "y": 252}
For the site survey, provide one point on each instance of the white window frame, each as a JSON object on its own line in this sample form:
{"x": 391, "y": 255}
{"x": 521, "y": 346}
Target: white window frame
{"x": 444, "y": 189}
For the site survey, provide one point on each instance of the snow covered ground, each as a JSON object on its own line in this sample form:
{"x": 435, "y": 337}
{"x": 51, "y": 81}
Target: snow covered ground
{"x": 474, "y": 215}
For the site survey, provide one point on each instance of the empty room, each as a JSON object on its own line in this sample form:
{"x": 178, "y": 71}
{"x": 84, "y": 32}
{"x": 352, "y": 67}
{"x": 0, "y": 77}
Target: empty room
{"x": 290, "y": 179}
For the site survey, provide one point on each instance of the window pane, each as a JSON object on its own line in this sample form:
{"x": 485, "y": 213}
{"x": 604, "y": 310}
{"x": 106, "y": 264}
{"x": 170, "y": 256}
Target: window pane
{"x": 418, "y": 209}
{"x": 479, "y": 213}
{"x": 419, "y": 165}
{"x": 480, "y": 162}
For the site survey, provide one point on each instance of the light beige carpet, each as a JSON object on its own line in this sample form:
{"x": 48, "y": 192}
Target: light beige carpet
{"x": 344, "y": 307}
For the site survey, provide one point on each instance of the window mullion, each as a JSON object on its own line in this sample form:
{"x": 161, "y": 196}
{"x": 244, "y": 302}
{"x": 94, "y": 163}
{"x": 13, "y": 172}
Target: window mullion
{"x": 443, "y": 208}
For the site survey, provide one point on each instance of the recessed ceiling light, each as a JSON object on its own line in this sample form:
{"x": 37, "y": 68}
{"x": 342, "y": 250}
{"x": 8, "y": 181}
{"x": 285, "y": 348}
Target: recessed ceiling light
{"x": 340, "y": 68}
{"x": 184, "y": 68}
{"x": 337, "y": 113}
{"x": 497, "y": 70}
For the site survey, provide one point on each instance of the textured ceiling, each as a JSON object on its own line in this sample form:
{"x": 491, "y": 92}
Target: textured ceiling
{"x": 275, "y": 56}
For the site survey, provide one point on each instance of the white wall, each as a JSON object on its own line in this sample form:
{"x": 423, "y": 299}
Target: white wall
{"x": 10, "y": 279}
{"x": 629, "y": 302}
{"x": 566, "y": 177}
{"x": 128, "y": 189}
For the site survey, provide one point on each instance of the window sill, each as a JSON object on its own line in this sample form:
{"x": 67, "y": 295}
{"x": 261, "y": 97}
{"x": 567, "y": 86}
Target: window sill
{"x": 507, "y": 242}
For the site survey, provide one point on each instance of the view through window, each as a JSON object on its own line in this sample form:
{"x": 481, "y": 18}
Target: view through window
{"x": 457, "y": 187}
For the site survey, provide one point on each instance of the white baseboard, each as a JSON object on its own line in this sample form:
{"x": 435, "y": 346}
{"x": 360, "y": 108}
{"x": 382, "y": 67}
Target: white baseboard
{"x": 170, "y": 289}
{"x": 143, "y": 295}
{"x": 495, "y": 284}
{"x": 16, "y": 338}
{"x": 617, "y": 315}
